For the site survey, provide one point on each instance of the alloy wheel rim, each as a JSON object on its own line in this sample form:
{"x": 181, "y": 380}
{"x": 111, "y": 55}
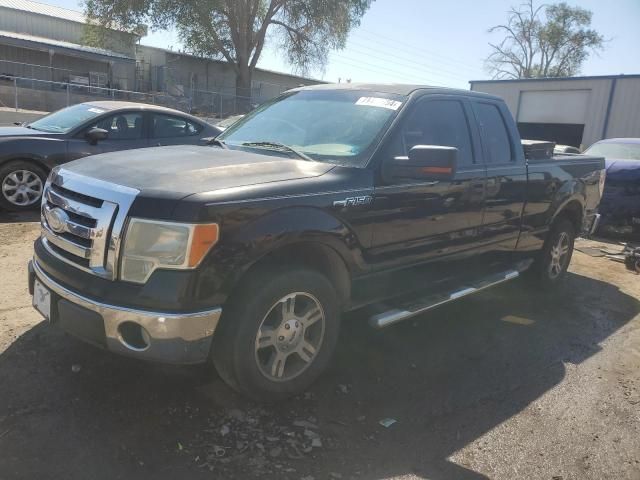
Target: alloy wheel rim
{"x": 22, "y": 188}
{"x": 559, "y": 254}
{"x": 290, "y": 336}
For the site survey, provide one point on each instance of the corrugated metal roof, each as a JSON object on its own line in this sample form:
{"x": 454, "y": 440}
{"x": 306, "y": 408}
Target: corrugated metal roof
{"x": 44, "y": 9}
{"x": 61, "y": 44}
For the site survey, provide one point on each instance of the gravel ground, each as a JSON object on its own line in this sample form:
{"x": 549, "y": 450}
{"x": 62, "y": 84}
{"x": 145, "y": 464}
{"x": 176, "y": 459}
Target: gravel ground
{"x": 505, "y": 384}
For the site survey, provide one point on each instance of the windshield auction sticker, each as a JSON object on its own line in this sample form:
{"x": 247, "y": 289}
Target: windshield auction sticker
{"x": 379, "y": 102}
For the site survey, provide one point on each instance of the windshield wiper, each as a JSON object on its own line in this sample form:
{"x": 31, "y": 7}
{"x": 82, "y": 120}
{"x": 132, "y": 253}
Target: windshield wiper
{"x": 278, "y": 146}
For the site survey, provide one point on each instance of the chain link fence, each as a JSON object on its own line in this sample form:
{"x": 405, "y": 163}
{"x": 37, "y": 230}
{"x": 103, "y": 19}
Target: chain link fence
{"x": 24, "y": 93}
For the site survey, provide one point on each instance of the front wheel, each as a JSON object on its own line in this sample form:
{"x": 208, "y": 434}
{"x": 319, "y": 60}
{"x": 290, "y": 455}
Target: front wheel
{"x": 551, "y": 267}
{"x": 278, "y": 333}
{"x": 22, "y": 184}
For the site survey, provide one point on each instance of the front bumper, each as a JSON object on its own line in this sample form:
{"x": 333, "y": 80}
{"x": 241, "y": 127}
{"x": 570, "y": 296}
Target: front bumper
{"x": 178, "y": 338}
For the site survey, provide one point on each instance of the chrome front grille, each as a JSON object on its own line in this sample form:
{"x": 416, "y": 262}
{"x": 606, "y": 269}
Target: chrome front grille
{"x": 83, "y": 220}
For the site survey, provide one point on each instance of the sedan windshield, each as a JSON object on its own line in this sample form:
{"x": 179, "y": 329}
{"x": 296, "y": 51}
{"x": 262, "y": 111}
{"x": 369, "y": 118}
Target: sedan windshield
{"x": 620, "y": 151}
{"x": 66, "y": 119}
{"x": 336, "y": 126}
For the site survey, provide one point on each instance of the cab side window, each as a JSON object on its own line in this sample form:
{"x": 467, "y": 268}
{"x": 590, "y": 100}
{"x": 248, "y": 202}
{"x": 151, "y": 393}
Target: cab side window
{"x": 494, "y": 134}
{"x": 437, "y": 122}
{"x": 122, "y": 126}
{"x": 166, "y": 126}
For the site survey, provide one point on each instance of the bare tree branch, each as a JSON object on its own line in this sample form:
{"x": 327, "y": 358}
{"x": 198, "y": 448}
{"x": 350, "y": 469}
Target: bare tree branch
{"x": 547, "y": 40}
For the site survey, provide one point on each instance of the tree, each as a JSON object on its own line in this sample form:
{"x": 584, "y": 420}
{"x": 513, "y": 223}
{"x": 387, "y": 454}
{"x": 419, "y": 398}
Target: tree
{"x": 237, "y": 30}
{"x": 544, "y": 41}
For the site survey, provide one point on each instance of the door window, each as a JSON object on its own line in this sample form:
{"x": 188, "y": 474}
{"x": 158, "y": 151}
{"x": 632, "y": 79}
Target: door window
{"x": 494, "y": 133}
{"x": 438, "y": 122}
{"x": 167, "y": 126}
{"x": 122, "y": 126}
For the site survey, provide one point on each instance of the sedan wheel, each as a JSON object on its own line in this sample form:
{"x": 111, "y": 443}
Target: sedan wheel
{"x": 22, "y": 188}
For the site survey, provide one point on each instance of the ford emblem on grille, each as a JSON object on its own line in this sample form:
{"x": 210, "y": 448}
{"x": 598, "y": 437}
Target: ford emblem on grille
{"x": 57, "y": 219}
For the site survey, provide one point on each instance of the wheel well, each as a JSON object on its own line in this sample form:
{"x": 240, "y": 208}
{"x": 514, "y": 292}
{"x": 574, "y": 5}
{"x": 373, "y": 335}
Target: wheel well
{"x": 36, "y": 162}
{"x": 315, "y": 256}
{"x": 572, "y": 211}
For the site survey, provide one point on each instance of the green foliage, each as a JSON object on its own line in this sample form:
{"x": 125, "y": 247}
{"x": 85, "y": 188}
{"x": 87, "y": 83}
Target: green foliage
{"x": 237, "y": 30}
{"x": 101, "y": 37}
{"x": 547, "y": 41}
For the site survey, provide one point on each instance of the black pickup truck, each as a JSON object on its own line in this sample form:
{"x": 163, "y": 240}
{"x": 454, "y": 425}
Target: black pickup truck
{"x": 388, "y": 198}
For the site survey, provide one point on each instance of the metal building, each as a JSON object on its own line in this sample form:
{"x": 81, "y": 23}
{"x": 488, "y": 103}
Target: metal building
{"x": 45, "y": 64}
{"x": 46, "y": 42}
{"x": 574, "y": 111}
{"x": 180, "y": 73}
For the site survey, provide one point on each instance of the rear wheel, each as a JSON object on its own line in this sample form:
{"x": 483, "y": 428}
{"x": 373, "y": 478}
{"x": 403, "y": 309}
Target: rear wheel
{"x": 278, "y": 333}
{"x": 21, "y": 185}
{"x": 551, "y": 267}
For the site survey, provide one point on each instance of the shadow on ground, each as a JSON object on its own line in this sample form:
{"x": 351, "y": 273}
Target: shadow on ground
{"x": 19, "y": 217}
{"x": 447, "y": 378}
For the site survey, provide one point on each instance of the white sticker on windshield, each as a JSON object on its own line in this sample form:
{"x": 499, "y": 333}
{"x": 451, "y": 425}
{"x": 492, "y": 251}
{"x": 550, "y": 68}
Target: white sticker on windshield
{"x": 379, "y": 102}
{"x": 96, "y": 110}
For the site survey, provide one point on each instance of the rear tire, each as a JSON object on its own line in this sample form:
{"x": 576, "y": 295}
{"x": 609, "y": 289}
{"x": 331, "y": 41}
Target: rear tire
{"x": 550, "y": 269}
{"x": 277, "y": 334}
{"x": 21, "y": 185}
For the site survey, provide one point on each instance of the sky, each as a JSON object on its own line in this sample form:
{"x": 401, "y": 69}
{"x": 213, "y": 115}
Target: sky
{"x": 441, "y": 42}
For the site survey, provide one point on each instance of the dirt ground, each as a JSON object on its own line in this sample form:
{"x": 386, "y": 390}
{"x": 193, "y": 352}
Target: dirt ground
{"x": 506, "y": 384}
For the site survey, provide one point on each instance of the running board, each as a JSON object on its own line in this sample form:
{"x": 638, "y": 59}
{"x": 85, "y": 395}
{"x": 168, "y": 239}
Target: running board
{"x": 421, "y": 305}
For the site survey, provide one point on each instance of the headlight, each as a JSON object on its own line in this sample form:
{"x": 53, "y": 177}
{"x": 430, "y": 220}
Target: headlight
{"x": 152, "y": 244}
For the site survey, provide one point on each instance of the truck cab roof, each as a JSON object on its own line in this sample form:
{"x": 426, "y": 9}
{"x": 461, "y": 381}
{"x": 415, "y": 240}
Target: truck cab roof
{"x": 397, "y": 89}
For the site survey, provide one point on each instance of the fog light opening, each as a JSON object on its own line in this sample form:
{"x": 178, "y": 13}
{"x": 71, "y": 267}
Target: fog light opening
{"x": 133, "y": 336}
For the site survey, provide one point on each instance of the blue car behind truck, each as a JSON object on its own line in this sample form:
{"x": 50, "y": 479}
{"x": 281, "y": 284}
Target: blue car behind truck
{"x": 620, "y": 204}
{"x": 389, "y": 198}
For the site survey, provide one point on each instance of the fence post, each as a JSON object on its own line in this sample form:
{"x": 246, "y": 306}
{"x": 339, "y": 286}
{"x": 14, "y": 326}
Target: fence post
{"x": 15, "y": 89}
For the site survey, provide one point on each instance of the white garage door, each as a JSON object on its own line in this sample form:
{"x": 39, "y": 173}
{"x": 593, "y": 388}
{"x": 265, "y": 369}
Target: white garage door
{"x": 558, "y": 106}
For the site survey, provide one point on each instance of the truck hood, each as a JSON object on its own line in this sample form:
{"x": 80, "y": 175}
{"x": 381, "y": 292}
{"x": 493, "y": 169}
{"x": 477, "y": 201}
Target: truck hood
{"x": 178, "y": 171}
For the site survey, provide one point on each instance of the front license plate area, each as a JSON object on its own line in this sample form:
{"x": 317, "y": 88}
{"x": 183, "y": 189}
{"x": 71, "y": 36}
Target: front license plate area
{"x": 42, "y": 299}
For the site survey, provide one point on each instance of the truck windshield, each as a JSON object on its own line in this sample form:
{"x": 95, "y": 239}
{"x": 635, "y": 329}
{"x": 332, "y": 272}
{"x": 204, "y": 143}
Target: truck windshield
{"x": 66, "y": 119}
{"x": 336, "y": 126}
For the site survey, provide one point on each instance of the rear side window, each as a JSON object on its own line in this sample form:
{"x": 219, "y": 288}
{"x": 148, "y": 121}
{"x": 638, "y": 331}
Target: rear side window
{"x": 494, "y": 133}
{"x": 438, "y": 122}
{"x": 166, "y": 126}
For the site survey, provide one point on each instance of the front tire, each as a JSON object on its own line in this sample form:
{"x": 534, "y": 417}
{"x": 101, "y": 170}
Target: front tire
{"x": 550, "y": 268}
{"x": 21, "y": 185}
{"x": 278, "y": 333}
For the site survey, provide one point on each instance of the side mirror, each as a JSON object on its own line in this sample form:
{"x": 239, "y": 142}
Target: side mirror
{"x": 94, "y": 135}
{"x": 426, "y": 162}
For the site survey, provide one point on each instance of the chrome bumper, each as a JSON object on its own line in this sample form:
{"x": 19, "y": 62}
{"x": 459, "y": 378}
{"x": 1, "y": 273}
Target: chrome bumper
{"x": 179, "y": 338}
